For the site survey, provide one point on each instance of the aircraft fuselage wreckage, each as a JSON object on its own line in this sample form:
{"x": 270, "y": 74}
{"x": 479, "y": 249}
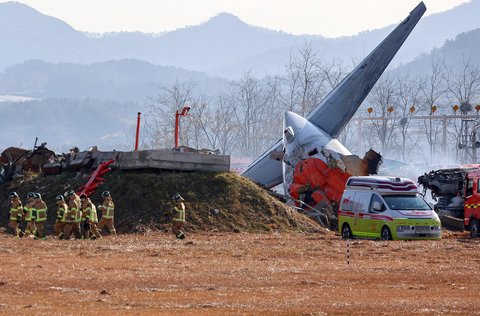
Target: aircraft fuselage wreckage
{"x": 312, "y": 164}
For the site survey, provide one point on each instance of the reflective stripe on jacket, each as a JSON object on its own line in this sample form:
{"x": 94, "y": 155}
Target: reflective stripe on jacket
{"x": 75, "y": 213}
{"x": 92, "y": 213}
{"x": 41, "y": 215}
{"x": 16, "y": 212}
{"x": 180, "y": 214}
{"x": 108, "y": 209}
{"x": 30, "y": 213}
{"x": 62, "y": 212}
{"x": 41, "y": 209}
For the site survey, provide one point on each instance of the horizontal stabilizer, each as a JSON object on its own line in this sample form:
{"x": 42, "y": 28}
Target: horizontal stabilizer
{"x": 265, "y": 170}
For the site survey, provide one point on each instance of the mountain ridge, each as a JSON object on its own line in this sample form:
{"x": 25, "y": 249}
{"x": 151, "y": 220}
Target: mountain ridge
{"x": 223, "y": 45}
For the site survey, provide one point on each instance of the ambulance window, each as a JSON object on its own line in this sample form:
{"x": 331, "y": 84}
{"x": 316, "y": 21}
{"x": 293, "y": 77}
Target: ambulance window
{"x": 361, "y": 202}
{"x": 347, "y": 201}
{"x": 469, "y": 190}
{"x": 376, "y": 198}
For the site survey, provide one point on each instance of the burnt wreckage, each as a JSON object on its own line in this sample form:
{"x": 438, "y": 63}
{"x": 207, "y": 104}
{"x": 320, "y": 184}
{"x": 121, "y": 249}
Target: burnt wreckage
{"x": 16, "y": 162}
{"x": 449, "y": 187}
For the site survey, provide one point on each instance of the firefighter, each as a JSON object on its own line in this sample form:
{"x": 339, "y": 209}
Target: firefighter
{"x": 74, "y": 217}
{"x": 178, "y": 216}
{"x": 29, "y": 214}
{"x": 89, "y": 213}
{"x": 16, "y": 211}
{"x": 41, "y": 218}
{"x": 69, "y": 220}
{"x": 62, "y": 213}
{"x": 84, "y": 225}
{"x": 107, "y": 207}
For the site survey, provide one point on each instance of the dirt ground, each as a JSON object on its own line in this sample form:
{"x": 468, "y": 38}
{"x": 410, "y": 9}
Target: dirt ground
{"x": 239, "y": 273}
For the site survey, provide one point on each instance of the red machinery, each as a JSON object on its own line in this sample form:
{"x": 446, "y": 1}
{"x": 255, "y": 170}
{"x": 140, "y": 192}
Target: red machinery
{"x": 95, "y": 178}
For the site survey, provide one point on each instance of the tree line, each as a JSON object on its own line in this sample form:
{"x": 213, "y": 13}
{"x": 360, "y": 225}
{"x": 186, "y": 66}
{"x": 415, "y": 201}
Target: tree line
{"x": 246, "y": 118}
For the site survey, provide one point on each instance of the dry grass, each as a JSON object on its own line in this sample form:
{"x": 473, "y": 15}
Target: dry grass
{"x": 143, "y": 201}
{"x": 284, "y": 265}
{"x": 231, "y": 274}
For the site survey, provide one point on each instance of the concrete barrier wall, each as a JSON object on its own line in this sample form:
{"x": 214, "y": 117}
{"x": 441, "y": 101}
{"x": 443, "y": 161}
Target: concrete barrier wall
{"x": 163, "y": 159}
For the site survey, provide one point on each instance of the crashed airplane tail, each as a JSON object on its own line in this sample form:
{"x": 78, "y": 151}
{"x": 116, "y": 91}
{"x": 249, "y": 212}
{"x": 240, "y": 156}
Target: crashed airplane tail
{"x": 309, "y": 143}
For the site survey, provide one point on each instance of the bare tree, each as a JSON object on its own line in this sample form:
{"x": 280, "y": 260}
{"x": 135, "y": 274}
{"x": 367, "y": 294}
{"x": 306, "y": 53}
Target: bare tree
{"x": 249, "y": 110}
{"x": 432, "y": 90}
{"x": 303, "y": 82}
{"x": 333, "y": 73}
{"x": 382, "y": 98}
{"x": 463, "y": 88}
{"x": 407, "y": 105}
{"x": 223, "y": 128}
{"x": 162, "y": 113}
{"x": 291, "y": 82}
{"x": 196, "y": 119}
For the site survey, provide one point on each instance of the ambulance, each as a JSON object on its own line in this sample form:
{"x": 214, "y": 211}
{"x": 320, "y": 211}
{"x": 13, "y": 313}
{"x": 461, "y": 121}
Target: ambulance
{"x": 386, "y": 208}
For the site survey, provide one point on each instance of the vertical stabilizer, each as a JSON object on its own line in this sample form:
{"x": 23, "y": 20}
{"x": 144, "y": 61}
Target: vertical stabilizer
{"x": 338, "y": 107}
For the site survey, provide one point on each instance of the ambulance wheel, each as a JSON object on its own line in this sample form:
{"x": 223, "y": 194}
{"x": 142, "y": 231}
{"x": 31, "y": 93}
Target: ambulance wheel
{"x": 474, "y": 228}
{"x": 346, "y": 232}
{"x": 386, "y": 234}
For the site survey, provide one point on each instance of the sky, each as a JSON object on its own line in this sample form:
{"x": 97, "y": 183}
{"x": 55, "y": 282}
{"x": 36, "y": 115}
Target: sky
{"x": 320, "y": 17}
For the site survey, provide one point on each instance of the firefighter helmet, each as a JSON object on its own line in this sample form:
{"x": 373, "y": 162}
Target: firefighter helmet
{"x": 106, "y": 194}
{"x": 177, "y": 197}
{"x": 12, "y": 195}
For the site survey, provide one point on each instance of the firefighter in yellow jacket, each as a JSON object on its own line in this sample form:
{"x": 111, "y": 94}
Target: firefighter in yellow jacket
{"x": 178, "y": 216}
{"x": 107, "y": 207}
{"x": 41, "y": 217}
{"x": 89, "y": 217}
{"x": 16, "y": 211}
{"x": 74, "y": 217}
{"x": 29, "y": 214}
{"x": 62, "y": 212}
{"x": 69, "y": 219}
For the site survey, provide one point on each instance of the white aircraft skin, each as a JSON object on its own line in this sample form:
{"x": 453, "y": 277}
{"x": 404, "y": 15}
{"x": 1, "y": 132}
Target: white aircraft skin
{"x": 309, "y": 158}
{"x": 300, "y": 138}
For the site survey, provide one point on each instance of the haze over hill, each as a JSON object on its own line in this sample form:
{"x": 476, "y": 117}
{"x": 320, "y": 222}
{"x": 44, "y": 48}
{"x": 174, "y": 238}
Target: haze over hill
{"x": 119, "y": 80}
{"x": 223, "y": 46}
{"x": 463, "y": 48}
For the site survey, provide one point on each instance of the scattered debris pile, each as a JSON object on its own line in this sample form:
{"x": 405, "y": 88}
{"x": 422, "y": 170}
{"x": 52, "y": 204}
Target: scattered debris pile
{"x": 15, "y": 162}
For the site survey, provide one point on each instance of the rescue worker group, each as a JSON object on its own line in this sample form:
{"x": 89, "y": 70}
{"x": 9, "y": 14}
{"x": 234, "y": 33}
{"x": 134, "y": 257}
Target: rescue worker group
{"x": 76, "y": 216}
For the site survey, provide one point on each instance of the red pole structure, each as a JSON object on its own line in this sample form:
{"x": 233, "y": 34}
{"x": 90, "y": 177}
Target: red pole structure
{"x": 177, "y": 121}
{"x": 176, "y": 128}
{"x": 138, "y": 131}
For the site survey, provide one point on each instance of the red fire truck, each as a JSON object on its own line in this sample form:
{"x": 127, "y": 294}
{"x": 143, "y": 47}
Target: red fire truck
{"x": 458, "y": 194}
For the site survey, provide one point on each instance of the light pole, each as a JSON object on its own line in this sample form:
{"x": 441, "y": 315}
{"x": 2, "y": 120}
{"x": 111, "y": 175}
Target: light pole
{"x": 137, "y": 133}
{"x": 177, "y": 121}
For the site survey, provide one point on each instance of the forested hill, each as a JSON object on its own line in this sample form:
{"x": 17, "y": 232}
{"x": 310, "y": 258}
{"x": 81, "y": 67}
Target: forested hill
{"x": 121, "y": 80}
{"x": 454, "y": 53}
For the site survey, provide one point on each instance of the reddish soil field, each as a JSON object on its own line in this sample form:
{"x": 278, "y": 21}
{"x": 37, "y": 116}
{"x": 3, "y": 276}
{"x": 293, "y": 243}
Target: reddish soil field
{"x": 232, "y": 274}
